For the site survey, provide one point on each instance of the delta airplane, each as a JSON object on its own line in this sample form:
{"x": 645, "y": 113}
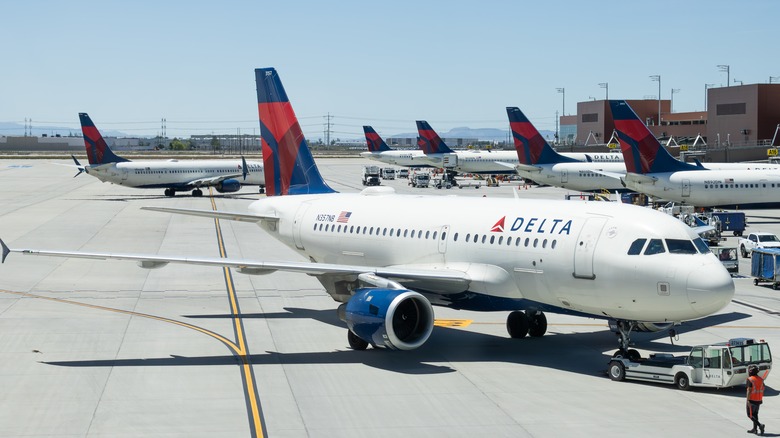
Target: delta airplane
{"x": 541, "y": 163}
{"x": 226, "y": 176}
{"x": 652, "y": 170}
{"x": 379, "y": 150}
{"x": 389, "y": 258}
{"x": 483, "y": 162}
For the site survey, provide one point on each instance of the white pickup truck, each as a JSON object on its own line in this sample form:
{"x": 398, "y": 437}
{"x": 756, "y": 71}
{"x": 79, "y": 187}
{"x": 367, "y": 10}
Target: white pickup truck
{"x": 757, "y": 240}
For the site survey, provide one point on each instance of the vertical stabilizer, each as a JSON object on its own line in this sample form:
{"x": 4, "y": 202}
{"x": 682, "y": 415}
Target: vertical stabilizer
{"x": 374, "y": 141}
{"x": 288, "y": 164}
{"x": 532, "y": 148}
{"x": 642, "y": 152}
{"x": 429, "y": 141}
{"x": 98, "y": 151}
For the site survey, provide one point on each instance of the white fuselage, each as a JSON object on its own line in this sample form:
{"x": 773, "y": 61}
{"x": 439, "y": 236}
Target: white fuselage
{"x": 709, "y": 188}
{"x": 408, "y": 158}
{"x": 571, "y": 257}
{"x": 495, "y": 162}
{"x": 181, "y": 175}
{"x": 577, "y": 176}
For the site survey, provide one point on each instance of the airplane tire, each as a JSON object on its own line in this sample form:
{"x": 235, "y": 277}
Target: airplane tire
{"x": 537, "y": 325}
{"x": 517, "y": 324}
{"x": 681, "y": 382}
{"x": 617, "y": 371}
{"x": 355, "y": 342}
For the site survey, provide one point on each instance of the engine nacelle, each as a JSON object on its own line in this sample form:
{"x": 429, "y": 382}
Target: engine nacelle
{"x": 653, "y": 326}
{"x": 228, "y": 186}
{"x": 398, "y": 319}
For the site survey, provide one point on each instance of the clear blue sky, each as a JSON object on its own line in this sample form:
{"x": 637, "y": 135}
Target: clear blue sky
{"x": 387, "y": 64}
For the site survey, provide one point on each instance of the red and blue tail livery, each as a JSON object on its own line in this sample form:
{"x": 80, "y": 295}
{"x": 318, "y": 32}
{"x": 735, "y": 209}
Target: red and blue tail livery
{"x": 374, "y": 141}
{"x": 429, "y": 141}
{"x": 289, "y": 166}
{"x": 98, "y": 151}
{"x": 532, "y": 149}
{"x": 642, "y": 152}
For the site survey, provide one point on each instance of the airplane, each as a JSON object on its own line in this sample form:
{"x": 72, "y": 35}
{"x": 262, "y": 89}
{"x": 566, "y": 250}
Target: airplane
{"x": 389, "y": 258}
{"x": 226, "y": 176}
{"x": 379, "y": 150}
{"x": 484, "y": 162}
{"x": 539, "y": 162}
{"x": 652, "y": 170}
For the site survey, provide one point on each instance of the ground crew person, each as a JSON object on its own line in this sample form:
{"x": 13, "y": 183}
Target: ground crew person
{"x": 755, "y": 396}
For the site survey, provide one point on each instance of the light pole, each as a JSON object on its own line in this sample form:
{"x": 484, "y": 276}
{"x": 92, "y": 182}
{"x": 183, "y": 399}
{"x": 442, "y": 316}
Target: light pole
{"x": 671, "y": 103}
{"x": 658, "y": 78}
{"x": 563, "y": 102}
{"x": 606, "y": 86}
{"x": 726, "y": 68}
{"x": 706, "y": 87}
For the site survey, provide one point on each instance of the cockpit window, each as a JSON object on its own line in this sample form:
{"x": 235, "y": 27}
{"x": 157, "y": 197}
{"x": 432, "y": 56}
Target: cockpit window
{"x": 656, "y": 246}
{"x": 636, "y": 246}
{"x": 680, "y": 246}
{"x": 701, "y": 245}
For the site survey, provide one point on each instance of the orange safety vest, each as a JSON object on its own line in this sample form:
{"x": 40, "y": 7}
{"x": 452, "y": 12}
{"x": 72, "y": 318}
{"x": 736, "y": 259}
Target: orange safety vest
{"x": 756, "y": 388}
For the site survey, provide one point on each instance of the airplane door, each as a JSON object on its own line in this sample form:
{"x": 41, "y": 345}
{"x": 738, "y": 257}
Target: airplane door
{"x": 445, "y": 230}
{"x": 686, "y": 188}
{"x": 586, "y": 247}
{"x": 713, "y": 367}
{"x": 564, "y": 176}
{"x": 124, "y": 174}
{"x": 297, "y": 224}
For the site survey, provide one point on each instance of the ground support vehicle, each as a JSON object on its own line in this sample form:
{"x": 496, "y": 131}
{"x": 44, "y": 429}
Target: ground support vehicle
{"x": 757, "y": 240}
{"x": 733, "y": 221}
{"x": 765, "y": 266}
{"x": 371, "y": 176}
{"x": 388, "y": 173}
{"x": 419, "y": 179}
{"x": 729, "y": 257}
{"x": 720, "y": 365}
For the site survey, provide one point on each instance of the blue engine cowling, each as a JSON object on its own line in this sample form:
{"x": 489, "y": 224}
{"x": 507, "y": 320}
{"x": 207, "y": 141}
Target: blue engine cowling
{"x": 228, "y": 186}
{"x": 398, "y": 319}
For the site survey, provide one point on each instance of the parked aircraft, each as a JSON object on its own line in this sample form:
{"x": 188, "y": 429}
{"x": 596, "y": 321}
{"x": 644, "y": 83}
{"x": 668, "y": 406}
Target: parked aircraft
{"x": 388, "y": 258}
{"x": 541, "y": 163}
{"x": 379, "y": 150}
{"x": 226, "y": 176}
{"x": 652, "y": 170}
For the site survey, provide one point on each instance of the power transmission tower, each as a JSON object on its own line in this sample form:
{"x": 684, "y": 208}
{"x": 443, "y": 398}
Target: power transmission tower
{"x": 327, "y": 128}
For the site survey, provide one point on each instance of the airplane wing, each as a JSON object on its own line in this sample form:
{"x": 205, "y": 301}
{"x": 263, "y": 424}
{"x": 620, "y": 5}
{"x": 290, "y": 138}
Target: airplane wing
{"x": 527, "y": 168}
{"x": 508, "y": 166}
{"x": 225, "y": 215}
{"x": 212, "y": 181}
{"x": 448, "y": 279}
{"x": 614, "y": 175}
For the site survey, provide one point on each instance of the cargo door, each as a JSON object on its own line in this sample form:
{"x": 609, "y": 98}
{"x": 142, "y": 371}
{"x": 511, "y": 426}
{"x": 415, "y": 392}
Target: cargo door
{"x": 686, "y": 188}
{"x": 297, "y": 224}
{"x": 564, "y": 176}
{"x": 586, "y": 247}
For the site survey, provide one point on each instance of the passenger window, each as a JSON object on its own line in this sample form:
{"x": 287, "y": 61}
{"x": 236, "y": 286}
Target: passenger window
{"x": 656, "y": 246}
{"x": 553, "y": 244}
{"x": 636, "y": 247}
{"x": 492, "y": 239}
{"x": 454, "y": 237}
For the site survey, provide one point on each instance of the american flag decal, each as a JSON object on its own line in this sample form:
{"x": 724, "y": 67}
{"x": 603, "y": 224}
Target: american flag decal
{"x": 344, "y": 217}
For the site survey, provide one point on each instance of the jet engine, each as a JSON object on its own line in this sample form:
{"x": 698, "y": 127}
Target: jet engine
{"x": 397, "y": 319}
{"x": 652, "y": 326}
{"x": 228, "y": 186}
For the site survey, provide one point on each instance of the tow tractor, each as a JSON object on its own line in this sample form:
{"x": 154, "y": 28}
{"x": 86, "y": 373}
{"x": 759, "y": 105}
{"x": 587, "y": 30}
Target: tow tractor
{"x": 720, "y": 365}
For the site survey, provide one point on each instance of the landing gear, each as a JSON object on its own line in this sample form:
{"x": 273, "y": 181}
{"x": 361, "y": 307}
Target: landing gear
{"x": 624, "y": 339}
{"x": 197, "y": 193}
{"x": 170, "y": 193}
{"x": 531, "y": 322}
{"x": 355, "y": 342}
{"x": 262, "y": 189}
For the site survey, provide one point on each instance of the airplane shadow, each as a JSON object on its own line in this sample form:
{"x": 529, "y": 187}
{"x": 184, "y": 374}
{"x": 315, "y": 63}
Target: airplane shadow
{"x": 579, "y": 353}
{"x": 129, "y": 198}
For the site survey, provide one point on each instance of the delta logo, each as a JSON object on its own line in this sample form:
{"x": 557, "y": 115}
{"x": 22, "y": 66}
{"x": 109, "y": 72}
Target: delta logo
{"x": 534, "y": 225}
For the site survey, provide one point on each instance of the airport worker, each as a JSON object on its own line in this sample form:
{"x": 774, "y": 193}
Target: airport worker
{"x": 755, "y": 396}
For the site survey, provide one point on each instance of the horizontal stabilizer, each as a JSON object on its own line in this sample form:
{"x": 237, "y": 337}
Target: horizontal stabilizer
{"x": 226, "y": 215}
{"x": 528, "y": 168}
{"x": 638, "y": 178}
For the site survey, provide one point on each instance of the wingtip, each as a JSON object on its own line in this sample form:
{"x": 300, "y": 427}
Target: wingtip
{"x": 6, "y": 251}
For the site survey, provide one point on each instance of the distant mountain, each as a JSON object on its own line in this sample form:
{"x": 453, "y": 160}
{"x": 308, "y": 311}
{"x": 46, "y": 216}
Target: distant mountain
{"x": 482, "y": 134}
{"x": 15, "y": 129}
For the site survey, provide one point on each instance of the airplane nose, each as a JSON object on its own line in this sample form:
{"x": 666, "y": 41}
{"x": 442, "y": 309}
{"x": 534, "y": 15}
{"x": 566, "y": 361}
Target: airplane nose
{"x": 710, "y": 288}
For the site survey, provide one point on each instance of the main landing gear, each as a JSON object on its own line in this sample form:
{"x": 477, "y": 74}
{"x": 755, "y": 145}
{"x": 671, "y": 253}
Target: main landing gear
{"x": 170, "y": 193}
{"x": 197, "y": 193}
{"x": 530, "y": 322}
{"x": 624, "y": 338}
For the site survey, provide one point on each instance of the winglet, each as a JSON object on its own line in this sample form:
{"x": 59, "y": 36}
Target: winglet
{"x": 642, "y": 152}
{"x": 429, "y": 141}
{"x": 78, "y": 166}
{"x": 6, "y": 251}
{"x": 98, "y": 151}
{"x": 532, "y": 148}
{"x": 288, "y": 165}
{"x": 374, "y": 141}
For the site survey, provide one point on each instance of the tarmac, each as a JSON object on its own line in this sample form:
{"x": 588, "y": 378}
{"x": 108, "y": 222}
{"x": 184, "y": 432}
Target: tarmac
{"x": 92, "y": 348}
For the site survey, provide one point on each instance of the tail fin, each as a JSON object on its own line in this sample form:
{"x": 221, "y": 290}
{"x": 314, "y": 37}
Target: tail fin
{"x": 98, "y": 151}
{"x": 429, "y": 141}
{"x": 375, "y": 142}
{"x": 641, "y": 150}
{"x": 288, "y": 164}
{"x": 531, "y": 148}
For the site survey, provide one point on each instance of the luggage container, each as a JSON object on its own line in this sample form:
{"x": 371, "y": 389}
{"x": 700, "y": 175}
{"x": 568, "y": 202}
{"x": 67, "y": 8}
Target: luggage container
{"x": 765, "y": 266}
